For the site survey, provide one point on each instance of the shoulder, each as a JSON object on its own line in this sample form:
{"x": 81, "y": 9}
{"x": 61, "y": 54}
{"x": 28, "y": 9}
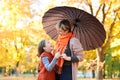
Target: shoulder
{"x": 74, "y": 40}
{"x": 75, "y": 43}
{"x": 45, "y": 54}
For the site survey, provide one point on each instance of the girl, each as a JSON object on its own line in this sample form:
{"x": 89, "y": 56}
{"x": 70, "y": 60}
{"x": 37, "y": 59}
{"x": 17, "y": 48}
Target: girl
{"x": 47, "y": 62}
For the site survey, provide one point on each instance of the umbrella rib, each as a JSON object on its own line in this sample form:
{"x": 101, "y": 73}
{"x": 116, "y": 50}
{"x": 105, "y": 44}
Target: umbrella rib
{"x": 83, "y": 39}
{"x": 56, "y": 16}
{"x": 96, "y": 37}
{"x": 69, "y": 9}
{"x": 65, "y": 13}
{"x": 90, "y": 36}
{"x": 89, "y": 41}
{"x": 99, "y": 30}
{"x": 55, "y": 36}
{"x": 56, "y": 20}
{"x": 52, "y": 33}
{"x": 92, "y": 39}
{"x": 52, "y": 14}
{"x": 60, "y": 12}
{"x": 56, "y": 11}
{"x": 86, "y": 36}
{"x": 49, "y": 25}
{"x": 92, "y": 20}
{"x": 81, "y": 14}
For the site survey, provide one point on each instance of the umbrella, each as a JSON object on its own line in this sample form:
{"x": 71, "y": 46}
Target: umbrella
{"x": 85, "y": 26}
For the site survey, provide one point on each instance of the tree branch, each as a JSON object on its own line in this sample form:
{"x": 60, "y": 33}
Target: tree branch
{"x": 89, "y": 3}
{"x": 108, "y": 8}
{"x": 103, "y": 12}
{"x": 109, "y": 34}
{"x": 91, "y": 9}
{"x": 98, "y": 10}
{"x": 118, "y": 9}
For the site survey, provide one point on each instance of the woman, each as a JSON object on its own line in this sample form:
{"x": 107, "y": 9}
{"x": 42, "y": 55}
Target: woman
{"x": 71, "y": 52}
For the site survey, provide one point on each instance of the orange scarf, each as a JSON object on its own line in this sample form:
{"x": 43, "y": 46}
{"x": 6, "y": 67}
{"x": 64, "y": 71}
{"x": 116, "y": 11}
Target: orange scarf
{"x": 61, "y": 45}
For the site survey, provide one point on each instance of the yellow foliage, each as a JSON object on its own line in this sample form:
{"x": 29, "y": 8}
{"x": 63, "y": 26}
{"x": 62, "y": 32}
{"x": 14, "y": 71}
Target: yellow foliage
{"x": 116, "y": 29}
{"x": 90, "y": 55}
{"x": 116, "y": 4}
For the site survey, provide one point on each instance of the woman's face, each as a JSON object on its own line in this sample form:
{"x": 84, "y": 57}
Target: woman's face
{"x": 61, "y": 32}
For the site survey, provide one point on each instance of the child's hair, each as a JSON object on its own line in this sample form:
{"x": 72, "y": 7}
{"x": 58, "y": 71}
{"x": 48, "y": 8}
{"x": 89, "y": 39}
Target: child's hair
{"x": 40, "y": 47}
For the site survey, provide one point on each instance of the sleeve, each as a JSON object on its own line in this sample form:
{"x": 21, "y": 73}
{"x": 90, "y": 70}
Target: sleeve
{"x": 74, "y": 59}
{"x": 77, "y": 50}
{"x": 49, "y": 65}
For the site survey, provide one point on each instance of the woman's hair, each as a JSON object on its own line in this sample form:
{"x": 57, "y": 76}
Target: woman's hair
{"x": 65, "y": 25}
{"x": 40, "y": 47}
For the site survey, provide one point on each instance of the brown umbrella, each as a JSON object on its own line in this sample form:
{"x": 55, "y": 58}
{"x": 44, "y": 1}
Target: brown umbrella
{"x": 85, "y": 26}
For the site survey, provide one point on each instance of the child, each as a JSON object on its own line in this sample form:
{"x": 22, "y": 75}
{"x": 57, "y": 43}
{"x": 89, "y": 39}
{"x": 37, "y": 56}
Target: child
{"x": 47, "y": 61}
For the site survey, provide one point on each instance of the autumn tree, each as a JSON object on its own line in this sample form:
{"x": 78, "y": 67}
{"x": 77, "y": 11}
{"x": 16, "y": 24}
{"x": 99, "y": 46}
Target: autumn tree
{"x": 108, "y": 13}
{"x": 20, "y": 33}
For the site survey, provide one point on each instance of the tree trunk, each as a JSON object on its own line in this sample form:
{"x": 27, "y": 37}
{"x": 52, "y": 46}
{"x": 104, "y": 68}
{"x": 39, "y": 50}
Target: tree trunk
{"x": 100, "y": 58}
{"x": 93, "y": 73}
{"x": 16, "y": 71}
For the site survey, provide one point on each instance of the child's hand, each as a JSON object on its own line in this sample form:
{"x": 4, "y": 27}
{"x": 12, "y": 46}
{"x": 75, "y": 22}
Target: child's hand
{"x": 57, "y": 55}
{"x": 65, "y": 57}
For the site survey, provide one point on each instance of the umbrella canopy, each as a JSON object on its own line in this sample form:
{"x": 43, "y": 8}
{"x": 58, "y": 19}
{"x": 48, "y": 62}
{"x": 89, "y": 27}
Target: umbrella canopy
{"x": 85, "y": 26}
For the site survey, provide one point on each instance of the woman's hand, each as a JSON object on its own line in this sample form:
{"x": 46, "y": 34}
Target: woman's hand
{"x": 66, "y": 57}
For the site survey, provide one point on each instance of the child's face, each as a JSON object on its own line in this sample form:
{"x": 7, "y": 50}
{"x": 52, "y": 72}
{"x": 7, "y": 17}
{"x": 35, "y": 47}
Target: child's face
{"x": 48, "y": 46}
